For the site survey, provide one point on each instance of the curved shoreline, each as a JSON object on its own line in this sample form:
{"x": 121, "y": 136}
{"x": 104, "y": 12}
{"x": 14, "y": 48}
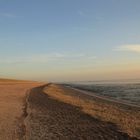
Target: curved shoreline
{"x": 49, "y": 118}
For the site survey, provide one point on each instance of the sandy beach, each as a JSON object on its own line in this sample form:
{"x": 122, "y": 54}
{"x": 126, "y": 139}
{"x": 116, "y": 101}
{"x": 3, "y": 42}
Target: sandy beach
{"x": 33, "y": 111}
{"x": 55, "y": 114}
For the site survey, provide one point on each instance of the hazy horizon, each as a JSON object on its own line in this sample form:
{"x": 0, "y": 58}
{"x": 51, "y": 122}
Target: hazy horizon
{"x": 70, "y": 40}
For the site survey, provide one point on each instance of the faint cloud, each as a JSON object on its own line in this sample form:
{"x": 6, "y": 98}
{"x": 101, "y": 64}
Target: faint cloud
{"x": 9, "y": 15}
{"x": 129, "y": 47}
{"x": 43, "y": 58}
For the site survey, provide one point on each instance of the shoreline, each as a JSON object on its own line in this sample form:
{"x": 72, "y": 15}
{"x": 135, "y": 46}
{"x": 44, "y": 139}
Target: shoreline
{"x": 51, "y": 117}
{"x": 113, "y": 100}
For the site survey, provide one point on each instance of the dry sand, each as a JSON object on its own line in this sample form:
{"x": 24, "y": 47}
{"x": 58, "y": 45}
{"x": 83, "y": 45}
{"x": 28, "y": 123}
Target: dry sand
{"x": 12, "y": 96}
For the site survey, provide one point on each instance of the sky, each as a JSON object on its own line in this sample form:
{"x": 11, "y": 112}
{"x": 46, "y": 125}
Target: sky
{"x": 70, "y": 40}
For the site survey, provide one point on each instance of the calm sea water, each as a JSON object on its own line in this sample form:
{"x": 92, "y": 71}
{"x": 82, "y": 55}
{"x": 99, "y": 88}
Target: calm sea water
{"x": 124, "y": 90}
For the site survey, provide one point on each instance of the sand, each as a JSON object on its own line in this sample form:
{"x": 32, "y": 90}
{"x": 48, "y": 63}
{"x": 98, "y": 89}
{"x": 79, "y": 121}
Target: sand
{"x": 12, "y": 97}
{"x": 29, "y": 111}
{"x": 52, "y": 118}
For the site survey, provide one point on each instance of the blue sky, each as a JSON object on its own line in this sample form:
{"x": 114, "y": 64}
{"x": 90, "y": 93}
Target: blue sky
{"x": 64, "y": 40}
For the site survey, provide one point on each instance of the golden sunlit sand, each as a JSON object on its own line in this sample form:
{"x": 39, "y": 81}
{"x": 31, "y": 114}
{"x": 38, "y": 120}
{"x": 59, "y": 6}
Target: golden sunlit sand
{"x": 12, "y": 97}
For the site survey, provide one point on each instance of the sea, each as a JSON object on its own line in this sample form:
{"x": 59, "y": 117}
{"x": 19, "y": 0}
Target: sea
{"x": 124, "y": 90}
